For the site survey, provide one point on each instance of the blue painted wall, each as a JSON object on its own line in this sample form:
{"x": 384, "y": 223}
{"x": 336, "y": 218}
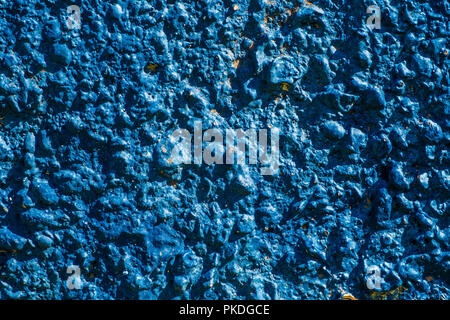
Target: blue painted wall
{"x": 359, "y": 207}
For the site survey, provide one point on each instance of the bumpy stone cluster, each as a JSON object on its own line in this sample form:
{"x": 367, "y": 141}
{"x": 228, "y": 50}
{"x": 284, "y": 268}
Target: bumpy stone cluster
{"x": 358, "y": 209}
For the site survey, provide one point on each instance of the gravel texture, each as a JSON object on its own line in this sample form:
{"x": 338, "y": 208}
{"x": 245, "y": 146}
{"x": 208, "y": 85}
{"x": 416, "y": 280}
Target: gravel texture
{"x": 359, "y": 208}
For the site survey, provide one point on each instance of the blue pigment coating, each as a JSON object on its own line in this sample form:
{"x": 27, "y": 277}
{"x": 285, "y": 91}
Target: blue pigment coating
{"x": 364, "y": 166}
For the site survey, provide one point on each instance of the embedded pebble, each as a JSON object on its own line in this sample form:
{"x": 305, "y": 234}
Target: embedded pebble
{"x": 88, "y": 178}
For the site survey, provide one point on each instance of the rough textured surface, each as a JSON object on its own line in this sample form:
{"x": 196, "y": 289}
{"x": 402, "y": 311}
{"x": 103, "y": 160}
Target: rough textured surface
{"x": 364, "y": 177}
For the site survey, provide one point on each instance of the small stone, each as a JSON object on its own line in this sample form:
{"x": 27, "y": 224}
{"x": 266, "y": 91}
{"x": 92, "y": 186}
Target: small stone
{"x": 398, "y": 137}
{"x": 334, "y": 130}
{"x": 62, "y": 54}
{"x": 358, "y": 139}
{"x": 423, "y": 179}
{"x": 243, "y": 184}
{"x": 246, "y": 224}
{"x": 116, "y": 11}
{"x": 430, "y": 152}
{"x": 283, "y": 70}
{"x": 432, "y": 131}
{"x": 30, "y": 142}
{"x": 44, "y": 242}
{"x": 45, "y": 194}
{"x": 11, "y": 241}
{"x": 29, "y": 160}
{"x": 398, "y": 178}
{"x": 381, "y": 146}
{"x": 374, "y": 98}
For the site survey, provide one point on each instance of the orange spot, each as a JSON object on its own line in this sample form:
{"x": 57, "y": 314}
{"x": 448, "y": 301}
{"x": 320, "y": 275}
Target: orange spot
{"x": 285, "y": 86}
{"x": 348, "y": 296}
{"x": 151, "y": 67}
